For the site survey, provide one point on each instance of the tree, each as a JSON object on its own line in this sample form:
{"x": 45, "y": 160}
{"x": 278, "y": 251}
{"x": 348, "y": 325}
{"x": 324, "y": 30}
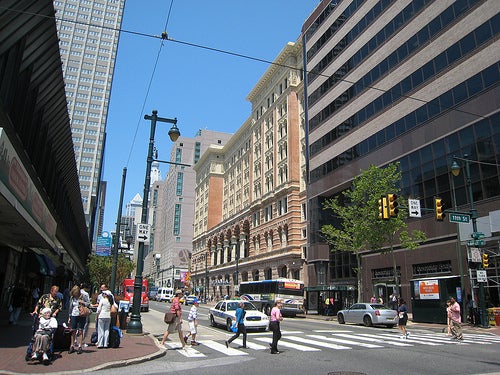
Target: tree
{"x": 100, "y": 267}
{"x": 359, "y": 229}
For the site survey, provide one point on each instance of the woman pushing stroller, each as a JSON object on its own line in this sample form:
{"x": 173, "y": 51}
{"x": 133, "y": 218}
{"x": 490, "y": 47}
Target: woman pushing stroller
{"x": 43, "y": 335}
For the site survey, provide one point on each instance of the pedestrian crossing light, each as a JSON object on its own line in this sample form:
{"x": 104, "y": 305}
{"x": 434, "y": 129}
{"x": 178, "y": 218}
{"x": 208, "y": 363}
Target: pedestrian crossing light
{"x": 438, "y": 209}
{"x": 383, "y": 212}
{"x": 485, "y": 260}
{"x": 392, "y": 205}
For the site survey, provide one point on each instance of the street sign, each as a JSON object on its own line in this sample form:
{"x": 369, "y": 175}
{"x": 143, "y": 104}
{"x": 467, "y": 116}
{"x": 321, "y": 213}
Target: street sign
{"x": 143, "y": 233}
{"x": 475, "y": 243}
{"x": 482, "y": 276}
{"x": 458, "y": 218}
{"x": 414, "y": 208}
{"x": 475, "y": 255}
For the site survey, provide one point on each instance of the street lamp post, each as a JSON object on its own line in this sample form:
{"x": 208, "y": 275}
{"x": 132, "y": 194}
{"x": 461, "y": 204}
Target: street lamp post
{"x": 118, "y": 225}
{"x": 206, "y": 276}
{"x": 455, "y": 169}
{"x": 135, "y": 325}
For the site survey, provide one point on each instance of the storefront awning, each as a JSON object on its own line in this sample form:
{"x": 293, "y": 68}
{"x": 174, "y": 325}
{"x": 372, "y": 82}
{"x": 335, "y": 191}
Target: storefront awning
{"x": 51, "y": 269}
{"x": 323, "y": 288}
{"x": 43, "y": 266}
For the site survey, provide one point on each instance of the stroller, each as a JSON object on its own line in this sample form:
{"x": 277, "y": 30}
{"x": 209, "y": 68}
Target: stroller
{"x": 50, "y": 352}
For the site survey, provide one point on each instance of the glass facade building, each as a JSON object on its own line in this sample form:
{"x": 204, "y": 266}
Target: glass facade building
{"x": 414, "y": 82}
{"x": 88, "y": 39}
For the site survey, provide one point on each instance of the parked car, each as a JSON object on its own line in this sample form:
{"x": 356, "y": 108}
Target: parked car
{"x": 369, "y": 314}
{"x": 188, "y": 300}
{"x": 224, "y": 313}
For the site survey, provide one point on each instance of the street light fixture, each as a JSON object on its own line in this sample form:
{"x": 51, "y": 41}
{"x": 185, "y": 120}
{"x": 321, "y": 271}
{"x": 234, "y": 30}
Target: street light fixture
{"x": 455, "y": 170}
{"x": 135, "y": 324}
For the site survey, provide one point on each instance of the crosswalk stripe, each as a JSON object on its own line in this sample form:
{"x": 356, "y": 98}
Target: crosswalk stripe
{"x": 222, "y": 348}
{"x": 374, "y": 338}
{"x": 467, "y": 339}
{"x": 286, "y": 344}
{"x": 348, "y": 342}
{"x": 413, "y": 340}
{"x": 317, "y": 343}
{"x": 191, "y": 353}
{"x": 251, "y": 345}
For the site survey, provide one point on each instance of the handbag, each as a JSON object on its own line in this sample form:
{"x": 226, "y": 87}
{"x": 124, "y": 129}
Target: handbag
{"x": 169, "y": 317}
{"x": 234, "y": 327}
{"x": 84, "y": 310}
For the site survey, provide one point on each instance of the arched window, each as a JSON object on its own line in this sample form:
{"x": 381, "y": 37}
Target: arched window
{"x": 268, "y": 273}
{"x": 256, "y": 275}
{"x": 283, "y": 271}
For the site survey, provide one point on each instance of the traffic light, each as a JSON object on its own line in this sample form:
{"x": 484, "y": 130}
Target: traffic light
{"x": 485, "y": 260}
{"x": 392, "y": 205}
{"x": 383, "y": 212}
{"x": 438, "y": 208}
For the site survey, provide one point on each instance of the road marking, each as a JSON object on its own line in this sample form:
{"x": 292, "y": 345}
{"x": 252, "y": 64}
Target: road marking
{"x": 317, "y": 343}
{"x": 348, "y": 342}
{"x": 251, "y": 345}
{"x": 373, "y": 338}
{"x": 412, "y": 339}
{"x": 191, "y": 353}
{"x": 329, "y": 331}
{"x": 302, "y": 348}
{"x": 222, "y": 348}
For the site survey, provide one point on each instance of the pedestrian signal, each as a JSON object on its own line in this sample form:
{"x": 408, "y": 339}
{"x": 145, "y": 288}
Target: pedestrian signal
{"x": 485, "y": 260}
{"x": 383, "y": 212}
{"x": 392, "y": 205}
{"x": 438, "y": 209}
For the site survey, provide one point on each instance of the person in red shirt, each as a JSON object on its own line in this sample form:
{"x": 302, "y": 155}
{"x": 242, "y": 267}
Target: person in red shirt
{"x": 176, "y": 325}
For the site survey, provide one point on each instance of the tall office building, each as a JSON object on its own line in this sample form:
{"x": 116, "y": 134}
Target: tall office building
{"x": 171, "y": 212}
{"x": 88, "y": 40}
{"x": 414, "y": 82}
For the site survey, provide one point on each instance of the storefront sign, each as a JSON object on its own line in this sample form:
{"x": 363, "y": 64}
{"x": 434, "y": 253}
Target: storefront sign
{"x": 428, "y": 289}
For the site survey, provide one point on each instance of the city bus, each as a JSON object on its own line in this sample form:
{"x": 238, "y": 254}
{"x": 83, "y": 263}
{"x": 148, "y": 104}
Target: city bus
{"x": 264, "y": 293}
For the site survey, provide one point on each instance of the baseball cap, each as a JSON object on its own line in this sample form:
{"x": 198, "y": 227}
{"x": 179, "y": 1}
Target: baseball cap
{"x": 196, "y": 300}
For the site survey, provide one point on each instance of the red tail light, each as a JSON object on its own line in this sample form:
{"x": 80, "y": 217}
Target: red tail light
{"x": 377, "y": 312}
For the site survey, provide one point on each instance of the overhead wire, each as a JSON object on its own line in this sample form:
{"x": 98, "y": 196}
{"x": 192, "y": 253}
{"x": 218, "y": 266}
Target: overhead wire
{"x": 164, "y": 36}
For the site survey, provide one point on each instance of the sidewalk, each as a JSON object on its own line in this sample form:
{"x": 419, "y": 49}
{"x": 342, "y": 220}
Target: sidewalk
{"x": 133, "y": 349}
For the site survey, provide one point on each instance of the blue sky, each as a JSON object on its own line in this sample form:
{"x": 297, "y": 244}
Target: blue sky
{"x": 202, "y": 88}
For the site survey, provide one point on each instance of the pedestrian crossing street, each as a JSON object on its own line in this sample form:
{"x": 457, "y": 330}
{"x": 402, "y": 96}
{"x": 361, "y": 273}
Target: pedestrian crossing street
{"x": 319, "y": 340}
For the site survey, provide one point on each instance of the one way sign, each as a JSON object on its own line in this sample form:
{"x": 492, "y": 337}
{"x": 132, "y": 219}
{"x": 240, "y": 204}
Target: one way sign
{"x": 414, "y": 208}
{"x": 143, "y": 233}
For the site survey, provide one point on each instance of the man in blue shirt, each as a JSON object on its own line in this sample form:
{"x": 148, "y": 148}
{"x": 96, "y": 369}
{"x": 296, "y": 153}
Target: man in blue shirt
{"x": 240, "y": 320}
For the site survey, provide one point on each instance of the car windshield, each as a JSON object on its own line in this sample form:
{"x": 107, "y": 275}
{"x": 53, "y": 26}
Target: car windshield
{"x": 232, "y": 306}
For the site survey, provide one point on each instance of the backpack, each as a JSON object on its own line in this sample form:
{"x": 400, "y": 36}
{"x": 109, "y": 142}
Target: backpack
{"x": 93, "y": 338}
{"x": 114, "y": 337}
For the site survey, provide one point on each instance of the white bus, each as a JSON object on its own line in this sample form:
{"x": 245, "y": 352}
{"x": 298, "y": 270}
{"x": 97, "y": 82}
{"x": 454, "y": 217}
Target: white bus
{"x": 264, "y": 293}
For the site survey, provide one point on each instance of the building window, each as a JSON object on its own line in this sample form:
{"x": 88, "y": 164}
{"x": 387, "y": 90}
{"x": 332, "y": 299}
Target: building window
{"x": 177, "y": 220}
{"x": 180, "y": 179}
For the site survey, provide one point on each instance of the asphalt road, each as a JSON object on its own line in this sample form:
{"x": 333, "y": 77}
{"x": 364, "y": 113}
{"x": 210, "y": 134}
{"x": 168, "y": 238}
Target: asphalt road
{"x": 311, "y": 346}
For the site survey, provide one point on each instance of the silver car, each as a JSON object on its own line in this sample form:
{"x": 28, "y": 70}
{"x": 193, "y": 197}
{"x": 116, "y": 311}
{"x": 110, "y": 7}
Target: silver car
{"x": 369, "y": 314}
{"x": 224, "y": 313}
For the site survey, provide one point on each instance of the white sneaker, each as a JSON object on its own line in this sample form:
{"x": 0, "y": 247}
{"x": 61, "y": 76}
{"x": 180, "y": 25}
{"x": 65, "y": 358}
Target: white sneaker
{"x": 45, "y": 357}
{"x": 85, "y": 345}
{"x": 34, "y": 356}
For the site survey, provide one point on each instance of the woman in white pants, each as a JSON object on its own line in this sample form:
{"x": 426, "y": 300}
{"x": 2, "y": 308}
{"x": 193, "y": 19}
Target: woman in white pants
{"x": 104, "y": 316}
